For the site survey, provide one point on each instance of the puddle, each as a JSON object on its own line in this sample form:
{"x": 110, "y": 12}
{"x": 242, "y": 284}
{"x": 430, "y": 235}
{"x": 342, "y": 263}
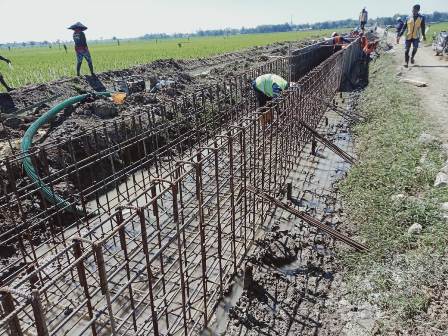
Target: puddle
{"x": 219, "y": 326}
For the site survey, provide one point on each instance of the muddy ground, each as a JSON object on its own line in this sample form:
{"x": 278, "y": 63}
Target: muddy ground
{"x": 294, "y": 266}
{"x": 187, "y": 75}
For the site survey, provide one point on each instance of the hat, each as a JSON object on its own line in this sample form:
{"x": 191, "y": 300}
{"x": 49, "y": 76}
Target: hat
{"x": 417, "y": 7}
{"x": 398, "y": 18}
{"x": 77, "y": 25}
{"x": 334, "y": 34}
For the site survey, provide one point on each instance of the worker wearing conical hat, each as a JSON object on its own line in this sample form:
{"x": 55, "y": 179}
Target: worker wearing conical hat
{"x": 81, "y": 48}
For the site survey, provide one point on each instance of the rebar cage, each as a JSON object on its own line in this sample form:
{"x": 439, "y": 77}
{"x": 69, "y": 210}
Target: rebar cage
{"x": 163, "y": 219}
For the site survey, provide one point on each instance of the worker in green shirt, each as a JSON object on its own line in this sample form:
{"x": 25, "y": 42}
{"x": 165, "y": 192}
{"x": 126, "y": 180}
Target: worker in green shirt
{"x": 267, "y": 87}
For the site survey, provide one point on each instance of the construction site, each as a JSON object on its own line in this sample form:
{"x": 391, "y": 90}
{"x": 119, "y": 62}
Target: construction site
{"x": 154, "y": 218}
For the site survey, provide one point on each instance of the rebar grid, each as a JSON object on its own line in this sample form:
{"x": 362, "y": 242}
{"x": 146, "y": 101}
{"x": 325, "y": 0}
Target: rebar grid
{"x": 98, "y": 160}
{"x": 162, "y": 252}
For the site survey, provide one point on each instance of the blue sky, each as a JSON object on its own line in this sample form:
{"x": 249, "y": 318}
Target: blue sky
{"x": 24, "y": 20}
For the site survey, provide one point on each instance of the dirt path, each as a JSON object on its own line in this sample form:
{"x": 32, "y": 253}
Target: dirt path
{"x": 432, "y": 70}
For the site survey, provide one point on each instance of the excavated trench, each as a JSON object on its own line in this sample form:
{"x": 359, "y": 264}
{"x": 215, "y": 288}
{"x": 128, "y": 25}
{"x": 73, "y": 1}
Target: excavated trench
{"x": 146, "y": 140}
{"x": 292, "y": 265}
{"x": 76, "y": 135}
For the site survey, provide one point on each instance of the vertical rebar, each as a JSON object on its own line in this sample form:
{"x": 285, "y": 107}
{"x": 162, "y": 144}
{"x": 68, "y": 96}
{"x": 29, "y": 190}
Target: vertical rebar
{"x": 98, "y": 250}
{"x": 155, "y": 324}
{"x": 77, "y": 251}
{"x": 39, "y": 314}
{"x": 8, "y": 307}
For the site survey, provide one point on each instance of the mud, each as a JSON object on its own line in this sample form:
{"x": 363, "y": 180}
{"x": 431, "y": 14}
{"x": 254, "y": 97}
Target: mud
{"x": 294, "y": 267}
{"x": 23, "y": 106}
{"x": 188, "y": 76}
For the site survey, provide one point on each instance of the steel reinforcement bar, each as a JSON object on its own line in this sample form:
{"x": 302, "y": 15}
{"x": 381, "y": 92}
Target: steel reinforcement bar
{"x": 158, "y": 260}
{"x": 84, "y": 168}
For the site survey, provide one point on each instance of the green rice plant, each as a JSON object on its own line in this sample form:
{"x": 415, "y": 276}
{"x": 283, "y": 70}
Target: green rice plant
{"x": 35, "y": 65}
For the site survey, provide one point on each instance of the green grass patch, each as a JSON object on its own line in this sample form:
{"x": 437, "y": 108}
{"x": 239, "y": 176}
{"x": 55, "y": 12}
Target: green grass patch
{"x": 40, "y": 65}
{"x": 437, "y": 28}
{"x": 390, "y": 189}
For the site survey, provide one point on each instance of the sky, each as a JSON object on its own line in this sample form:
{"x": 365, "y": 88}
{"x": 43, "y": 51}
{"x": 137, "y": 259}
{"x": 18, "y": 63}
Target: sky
{"x": 38, "y": 20}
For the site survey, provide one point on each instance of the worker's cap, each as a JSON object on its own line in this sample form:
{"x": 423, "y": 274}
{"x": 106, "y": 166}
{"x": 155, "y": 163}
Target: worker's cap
{"x": 417, "y": 7}
{"x": 398, "y": 18}
{"x": 77, "y": 25}
{"x": 334, "y": 34}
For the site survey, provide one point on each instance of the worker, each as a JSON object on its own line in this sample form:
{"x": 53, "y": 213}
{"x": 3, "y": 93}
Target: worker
{"x": 415, "y": 29}
{"x": 267, "y": 87}
{"x": 399, "y": 25}
{"x": 338, "y": 41}
{"x": 65, "y": 48}
{"x": 363, "y": 18}
{"x": 81, "y": 48}
{"x": 2, "y": 80}
{"x": 368, "y": 47}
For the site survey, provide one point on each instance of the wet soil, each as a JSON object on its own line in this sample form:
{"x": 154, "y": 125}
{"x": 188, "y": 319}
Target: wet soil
{"x": 294, "y": 266}
{"x": 21, "y": 111}
{"x": 188, "y": 76}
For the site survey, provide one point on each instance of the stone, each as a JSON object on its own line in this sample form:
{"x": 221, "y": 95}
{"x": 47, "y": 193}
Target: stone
{"x": 418, "y": 170}
{"x": 444, "y": 148}
{"x": 426, "y": 139}
{"x": 444, "y": 169}
{"x": 441, "y": 180}
{"x": 414, "y": 82}
{"x": 104, "y": 109}
{"x": 12, "y": 122}
{"x": 415, "y": 229}
{"x": 398, "y": 198}
{"x": 424, "y": 158}
{"x": 444, "y": 207}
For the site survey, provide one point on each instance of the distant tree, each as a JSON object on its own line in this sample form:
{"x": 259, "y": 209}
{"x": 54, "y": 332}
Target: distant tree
{"x": 285, "y": 27}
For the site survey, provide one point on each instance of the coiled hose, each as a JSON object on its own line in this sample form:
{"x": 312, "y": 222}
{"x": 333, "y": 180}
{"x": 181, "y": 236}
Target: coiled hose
{"x": 27, "y": 142}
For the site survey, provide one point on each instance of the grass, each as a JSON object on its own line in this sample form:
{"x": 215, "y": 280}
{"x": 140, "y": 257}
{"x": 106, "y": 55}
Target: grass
{"x": 39, "y": 65}
{"x": 437, "y": 28}
{"x": 401, "y": 272}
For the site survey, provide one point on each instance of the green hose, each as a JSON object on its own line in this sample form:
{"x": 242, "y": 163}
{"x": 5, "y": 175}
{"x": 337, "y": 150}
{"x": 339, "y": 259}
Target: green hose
{"x": 27, "y": 141}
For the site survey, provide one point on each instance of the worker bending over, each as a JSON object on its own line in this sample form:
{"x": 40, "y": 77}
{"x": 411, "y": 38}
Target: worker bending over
{"x": 338, "y": 41}
{"x": 415, "y": 28}
{"x": 367, "y": 46}
{"x": 81, "y": 48}
{"x": 267, "y": 87}
{"x": 2, "y": 81}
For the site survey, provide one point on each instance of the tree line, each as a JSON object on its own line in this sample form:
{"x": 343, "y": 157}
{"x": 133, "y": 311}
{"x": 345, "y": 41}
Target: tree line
{"x": 287, "y": 27}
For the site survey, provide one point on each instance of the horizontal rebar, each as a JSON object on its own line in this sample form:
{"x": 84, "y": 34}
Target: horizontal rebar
{"x": 173, "y": 216}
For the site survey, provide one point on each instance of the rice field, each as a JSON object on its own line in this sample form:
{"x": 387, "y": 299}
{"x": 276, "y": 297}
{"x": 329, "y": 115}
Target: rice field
{"x": 437, "y": 28}
{"x": 33, "y": 65}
